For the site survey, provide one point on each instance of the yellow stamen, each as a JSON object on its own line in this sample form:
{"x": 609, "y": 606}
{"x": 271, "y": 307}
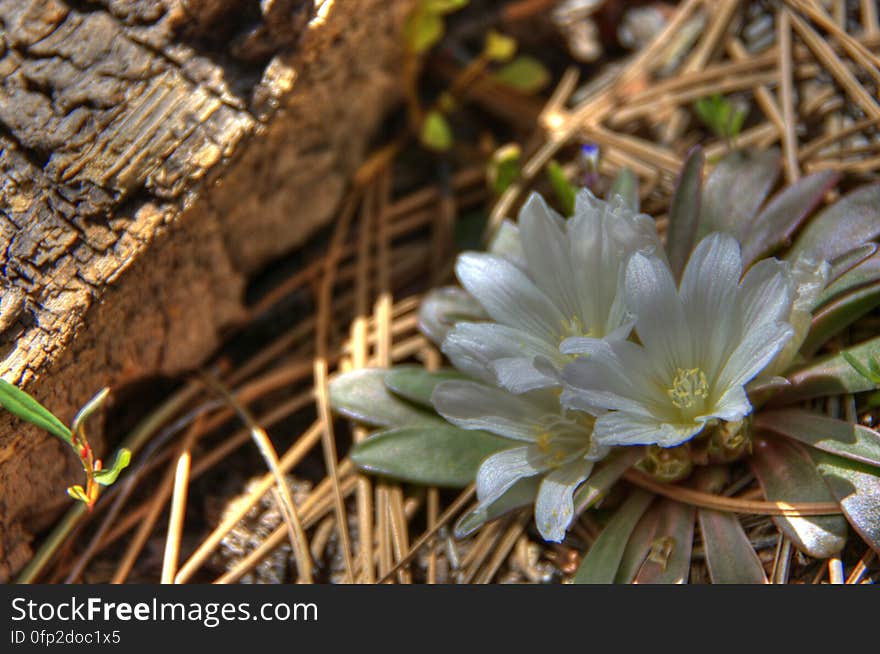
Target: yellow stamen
{"x": 544, "y": 441}
{"x": 689, "y": 385}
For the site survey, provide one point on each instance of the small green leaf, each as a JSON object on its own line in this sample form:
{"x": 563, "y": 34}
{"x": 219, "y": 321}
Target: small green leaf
{"x": 416, "y": 384}
{"x": 848, "y": 223}
{"x": 626, "y": 185}
{"x": 363, "y": 396}
{"x": 730, "y": 557}
{"x": 832, "y": 375}
{"x": 870, "y": 371}
{"x": 77, "y": 493}
{"x": 504, "y": 167}
{"x": 525, "y": 74}
{"x": 499, "y": 47}
{"x": 565, "y": 190}
{"x": 736, "y": 122}
{"x": 735, "y": 189}
{"x": 831, "y": 435}
{"x": 108, "y": 476}
{"x": 780, "y": 219}
{"x": 669, "y": 558}
{"x": 787, "y": 475}
{"x": 422, "y": 30}
{"x": 684, "y": 212}
{"x": 604, "y": 475}
{"x": 23, "y": 406}
{"x": 721, "y": 115}
{"x": 436, "y": 133}
{"x": 433, "y": 455}
{"x": 857, "y": 487}
{"x": 90, "y": 407}
{"x": 522, "y": 493}
{"x": 602, "y": 560}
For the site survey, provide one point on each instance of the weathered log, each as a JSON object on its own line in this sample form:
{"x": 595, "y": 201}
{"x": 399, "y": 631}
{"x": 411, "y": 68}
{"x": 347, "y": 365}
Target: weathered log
{"x": 153, "y": 153}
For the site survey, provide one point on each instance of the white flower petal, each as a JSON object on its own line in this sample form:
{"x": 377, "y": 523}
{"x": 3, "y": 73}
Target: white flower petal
{"x": 766, "y": 295}
{"x": 554, "y": 507}
{"x": 732, "y": 405}
{"x": 470, "y": 405}
{"x": 621, "y": 428}
{"x": 709, "y": 289}
{"x": 508, "y": 295}
{"x": 503, "y": 469}
{"x": 605, "y": 380}
{"x": 521, "y": 375}
{"x": 476, "y": 348}
{"x": 754, "y": 353}
{"x": 660, "y": 319}
{"x": 547, "y": 251}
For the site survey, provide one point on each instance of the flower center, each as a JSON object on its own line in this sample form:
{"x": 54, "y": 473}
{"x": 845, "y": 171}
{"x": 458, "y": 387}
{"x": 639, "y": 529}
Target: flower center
{"x": 689, "y": 385}
{"x": 574, "y": 326}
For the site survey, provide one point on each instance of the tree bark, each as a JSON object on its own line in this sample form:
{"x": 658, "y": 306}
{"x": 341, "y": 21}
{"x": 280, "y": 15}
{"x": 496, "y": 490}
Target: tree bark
{"x": 153, "y": 154}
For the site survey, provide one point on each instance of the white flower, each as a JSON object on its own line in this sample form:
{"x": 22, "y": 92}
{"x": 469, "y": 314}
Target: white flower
{"x": 562, "y": 280}
{"x": 547, "y": 441}
{"x": 699, "y": 346}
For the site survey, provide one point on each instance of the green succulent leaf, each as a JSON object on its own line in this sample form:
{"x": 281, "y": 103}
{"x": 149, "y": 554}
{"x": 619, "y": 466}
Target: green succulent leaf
{"x": 684, "y": 212}
{"x": 525, "y": 74}
{"x": 433, "y": 455}
{"x": 363, "y": 396}
{"x": 626, "y": 185}
{"x": 787, "y": 475}
{"x": 862, "y": 272}
{"x": 857, "y": 487}
{"x": 730, "y": 557}
{"x": 522, "y": 493}
{"x": 637, "y": 548}
{"x": 848, "y": 223}
{"x": 832, "y": 375}
{"x": 735, "y": 189}
{"x": 668, "y": 560}
{"x": 415, "y": 384}
{"x": 602, "y": 560}
{"x": 436, "y": 133}
{"x": 831, "y": 435}
{"x": 565, "y": 191}
{"x": 23, "y": 406}
{"x": 604, "y": 476}
{"x": 777, "y": 223}
{"x": 839, "y": 314}
{"x": 108, "y": 476}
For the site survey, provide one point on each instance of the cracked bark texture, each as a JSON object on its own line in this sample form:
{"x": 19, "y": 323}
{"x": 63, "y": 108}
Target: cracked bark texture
{"x": 153, "y": 154}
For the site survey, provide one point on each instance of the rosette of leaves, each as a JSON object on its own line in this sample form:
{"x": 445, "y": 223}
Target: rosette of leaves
{"x": 803, "y": 442}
